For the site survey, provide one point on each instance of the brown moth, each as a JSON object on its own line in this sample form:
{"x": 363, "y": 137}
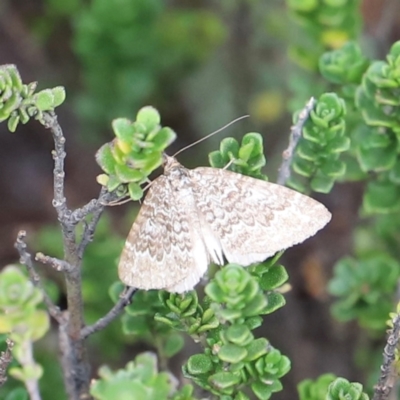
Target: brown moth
{"x": 190, "y": 218}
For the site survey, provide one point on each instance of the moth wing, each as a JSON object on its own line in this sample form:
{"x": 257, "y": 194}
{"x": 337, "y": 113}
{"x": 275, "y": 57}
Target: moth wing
{"x": 163, "y": 250}
{"x": 254, "y": 219}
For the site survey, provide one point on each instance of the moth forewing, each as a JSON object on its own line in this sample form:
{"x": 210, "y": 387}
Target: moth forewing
{"x": 192, "y": 217}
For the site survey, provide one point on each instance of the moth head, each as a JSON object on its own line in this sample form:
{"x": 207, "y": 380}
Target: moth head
{"x": 169, "y": 163}
{"x": 173, "y": 168}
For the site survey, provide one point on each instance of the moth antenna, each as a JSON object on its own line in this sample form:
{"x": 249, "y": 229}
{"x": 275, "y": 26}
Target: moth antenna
{"x": 230, "y": 163}
{"x": 119, "y": 202}
{"x": 126, "y": 199}
{"x": 210, "y": 134}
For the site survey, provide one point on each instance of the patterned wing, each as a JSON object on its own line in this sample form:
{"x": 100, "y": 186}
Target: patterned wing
{"x": 254, "y": 219}
{"x": 163, "y": 249}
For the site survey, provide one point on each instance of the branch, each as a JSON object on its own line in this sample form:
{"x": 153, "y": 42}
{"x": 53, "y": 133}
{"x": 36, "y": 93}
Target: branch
{"x": 95, "y": 207}
{"x": 57, "y": 264}
{"x": 26, "y": 259}
{"x": 59, "y": 200}
{"x": 388, "y": 376}
{"x": 295, "y": 135}
{"x": 76, "y": 372}
{"x": 124, "y": 300}
{"x": 5, "y": 360}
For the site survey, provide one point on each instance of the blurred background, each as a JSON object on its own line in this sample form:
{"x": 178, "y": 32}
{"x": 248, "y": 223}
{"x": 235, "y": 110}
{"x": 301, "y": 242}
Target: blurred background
{"x": 201, "y": 64}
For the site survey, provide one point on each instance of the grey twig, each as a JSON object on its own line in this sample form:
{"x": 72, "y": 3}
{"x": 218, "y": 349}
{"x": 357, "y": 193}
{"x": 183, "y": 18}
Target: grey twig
{"x": 77, "y": 356}
{"x": 96, "y": 208}
{"x": 295, "y": 135}
{"x": 57, "y": 264}
{"x": 5, "y": 360}
{"x": 59, "y": 200}
{"x": 388, "y": 375}
{"x": 76, "y": 374}
{"x": 26, "y": 259}
{"x": 124, "y": 300}
{"x": 93, "y": 206}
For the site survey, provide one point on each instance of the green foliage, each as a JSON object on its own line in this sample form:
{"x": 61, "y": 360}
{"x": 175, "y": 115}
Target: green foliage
{"x": 19, "y": 102}
{"x": 139, "y": 323}
{"x": 247, "y": 158}
{"x": 21, "y": 318}
{"x": 140, "y": 379}
{"x": 223, "y": 322}
{"x": 133, "y": 51}
{"x": 341, "y": 388}
{"x": 370, "y": 89}
{"x": 317, "y": 26}
{"x": 324, "y": 25}
{"x": 344, "y": 66}
{"x": 135, "y": 152}
{"x": 17, "y": 394}
{"x": 184, "y": 313}
{"x": 324, "y": 139}
{"x": 365, "y": 288}
{"x": 315, "y": 390}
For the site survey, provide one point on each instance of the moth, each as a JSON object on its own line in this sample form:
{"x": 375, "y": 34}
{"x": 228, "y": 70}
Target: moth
{"x": 190, "y": 218}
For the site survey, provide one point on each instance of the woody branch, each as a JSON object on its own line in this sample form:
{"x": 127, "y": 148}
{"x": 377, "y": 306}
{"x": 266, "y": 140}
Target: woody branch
{"x": 72, "y": 331}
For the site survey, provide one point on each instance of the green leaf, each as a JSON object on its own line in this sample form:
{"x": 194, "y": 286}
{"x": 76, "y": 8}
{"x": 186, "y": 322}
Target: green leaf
{"x": 394, "y": 174}
{"x": 381, "y": 197}
{"x": 127, "y": 174}
{"x": 44, "y": 100}
{"x": 149, "y": 117}
{"x": 118, "y": 389}
{"x": 115, "y": 290}
{"x": 275, "y": 277}
{"x": 303, "y": 167}
{"x": 308, "y": 150}
{"x": 239, "y": 334}
{"x": 27, "y": 372}
{"x": 173, "y": 345}
{"x": 113, "y": 183}
{"x": 12, "y": 122}
{"x": 163, "y": 138}
{"x": 338, "y": 144}
{"x": 341, "y": 388}
{"x": 58, "y": 95}
{"x": 377, "y": 158}
{"x": 199, "y": 364}
{"x": 333, "y": 168}
{"x": 105, "y": 159}
{"x": 123, "y": 129}
{"x": 232, "y": 353}
{"x": 229, "y": 148}
{"x": 315, "y": 390}
{"x": 224, "y": 380}
{"x": 322, "y": 184}
{"x": 344, "y": 65}
{"x": 39, "y": 324}
{"x": 137, "y": 326}
{"x": 17, "y": 394}
{"x": 262, "y": 390}
{"x": 135, "y": 191}
{"x": 14, "y": 75}
{"x": 216, "y": 160}
{"x": 275, "y": 301}
{"x": 256, "y": 349}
